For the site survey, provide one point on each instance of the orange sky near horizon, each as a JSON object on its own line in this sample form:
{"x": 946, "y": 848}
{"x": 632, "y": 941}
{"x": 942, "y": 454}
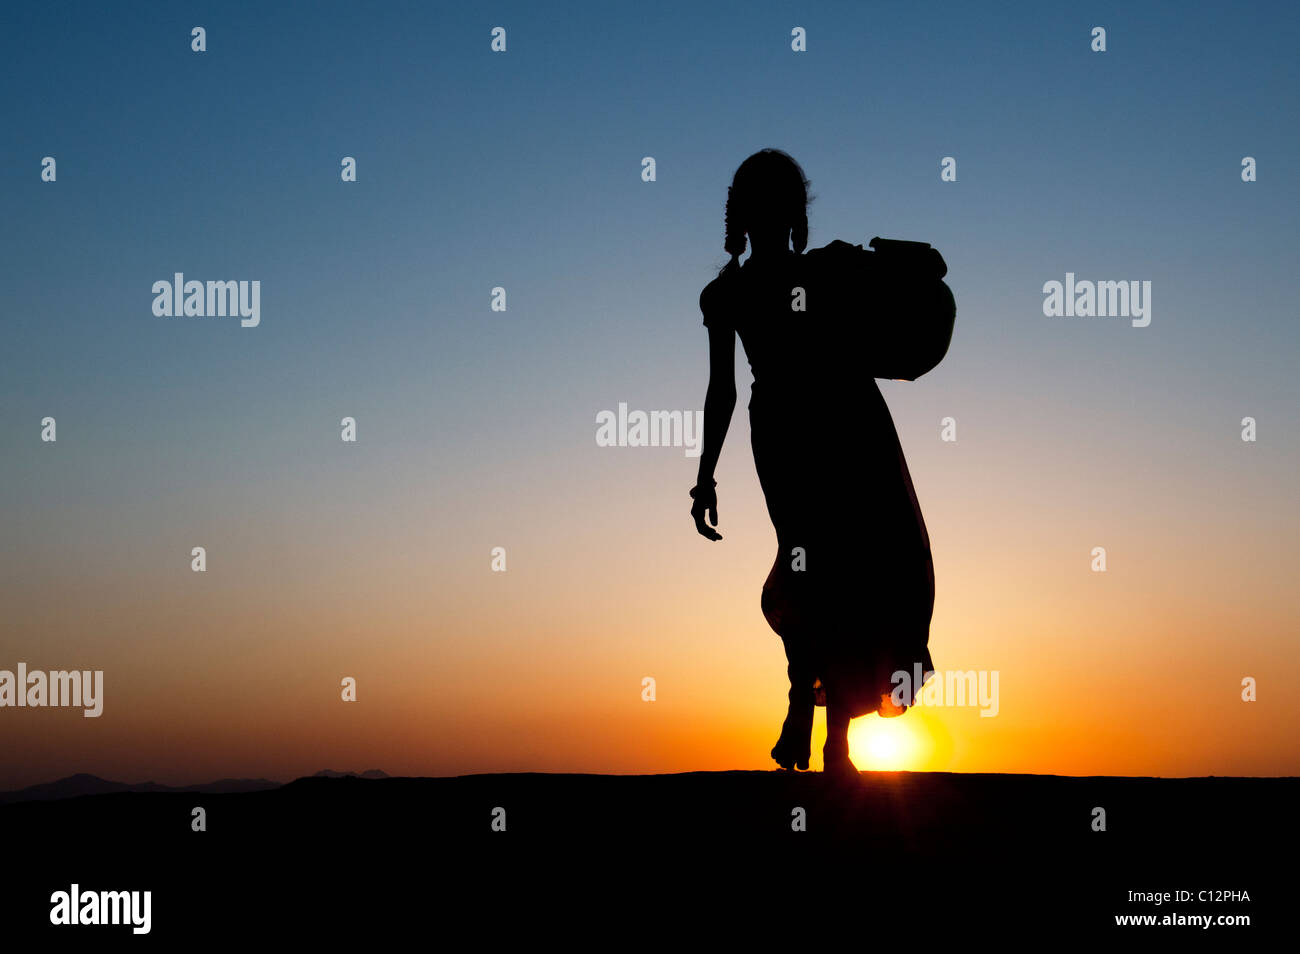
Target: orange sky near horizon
{"x": 236, "y": 672}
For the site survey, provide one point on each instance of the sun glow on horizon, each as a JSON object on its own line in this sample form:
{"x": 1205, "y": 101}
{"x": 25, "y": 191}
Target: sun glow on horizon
{"x": 878, "y": 744}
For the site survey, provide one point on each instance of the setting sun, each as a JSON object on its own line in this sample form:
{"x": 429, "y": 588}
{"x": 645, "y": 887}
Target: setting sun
{"x": 883, "y": 744}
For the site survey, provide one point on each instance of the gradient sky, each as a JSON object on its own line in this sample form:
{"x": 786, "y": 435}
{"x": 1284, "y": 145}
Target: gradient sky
{"x": 476, "y": 428}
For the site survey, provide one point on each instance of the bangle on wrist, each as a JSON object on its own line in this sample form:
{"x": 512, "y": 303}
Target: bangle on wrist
{"x": 698, "y": 485}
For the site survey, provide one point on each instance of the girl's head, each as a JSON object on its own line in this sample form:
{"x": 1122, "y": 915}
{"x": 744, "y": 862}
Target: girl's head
{"x": 768, "y": 199}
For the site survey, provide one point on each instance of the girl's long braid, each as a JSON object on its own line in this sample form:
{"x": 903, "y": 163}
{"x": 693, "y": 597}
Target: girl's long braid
{"x": 734, "y": 238}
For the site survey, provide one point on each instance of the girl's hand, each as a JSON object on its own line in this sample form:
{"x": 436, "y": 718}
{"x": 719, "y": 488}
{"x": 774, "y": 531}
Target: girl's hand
{"x": 706, "y": 501}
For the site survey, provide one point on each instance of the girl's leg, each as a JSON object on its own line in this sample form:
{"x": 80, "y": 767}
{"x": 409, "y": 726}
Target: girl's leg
{"x": 793, "y": 748}
{"x": 835, "y": 754}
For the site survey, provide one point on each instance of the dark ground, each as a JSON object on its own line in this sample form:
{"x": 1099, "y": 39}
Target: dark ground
{"x": 600, "y": 861}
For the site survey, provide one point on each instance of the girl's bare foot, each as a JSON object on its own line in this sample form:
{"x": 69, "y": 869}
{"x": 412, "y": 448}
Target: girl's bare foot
{"x": 836, "y": 761}
{"x": 835, "y": 753}
{"x": 792, "y": 749}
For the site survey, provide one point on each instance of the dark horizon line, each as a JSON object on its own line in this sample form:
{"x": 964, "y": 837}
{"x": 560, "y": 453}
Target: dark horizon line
{"x": 266, "y": 784}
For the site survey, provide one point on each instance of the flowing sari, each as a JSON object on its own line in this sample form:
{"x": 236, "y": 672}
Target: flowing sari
{"x": 851, "y": 592}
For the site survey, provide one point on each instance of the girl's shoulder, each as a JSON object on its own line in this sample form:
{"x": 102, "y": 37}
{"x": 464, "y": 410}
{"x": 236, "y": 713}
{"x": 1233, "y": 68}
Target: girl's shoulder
{"x": 718, "y": 297}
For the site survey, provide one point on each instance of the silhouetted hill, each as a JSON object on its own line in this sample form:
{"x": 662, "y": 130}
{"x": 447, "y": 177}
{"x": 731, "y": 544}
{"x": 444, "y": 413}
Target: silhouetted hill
{"x": 75, "y": 786}
{"x": 892, "y": 854}
{"x": 368, "y": 773}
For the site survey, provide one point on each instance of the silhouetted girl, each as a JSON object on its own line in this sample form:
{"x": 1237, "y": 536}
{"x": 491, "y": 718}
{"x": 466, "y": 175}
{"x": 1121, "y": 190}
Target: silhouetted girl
{"x": 852, "y": 589}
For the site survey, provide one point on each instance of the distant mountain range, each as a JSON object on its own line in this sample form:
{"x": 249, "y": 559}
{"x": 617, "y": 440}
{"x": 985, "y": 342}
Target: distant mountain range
{"x": 84, "y": 784}
{"x": 368, "y": 773}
